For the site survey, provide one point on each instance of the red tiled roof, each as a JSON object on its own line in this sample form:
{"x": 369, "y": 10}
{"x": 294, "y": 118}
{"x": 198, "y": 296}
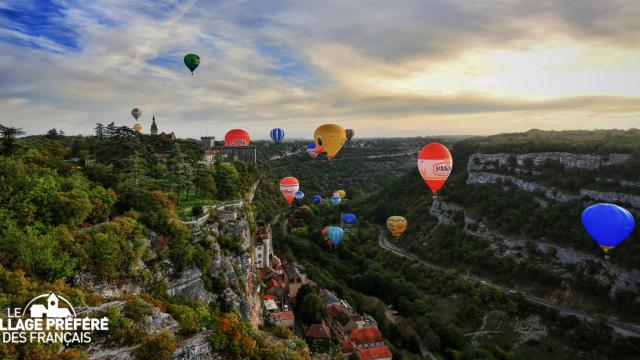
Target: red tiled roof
{"x": 366, "y": 336}
{"x": 320, "y": 331}
{"x": 273, "y": 283}
{"x": 267, "y": 296}
{"x": 380, "y": 352}
{"x": 282, "y": 315}
{"x": 211, "y": 152}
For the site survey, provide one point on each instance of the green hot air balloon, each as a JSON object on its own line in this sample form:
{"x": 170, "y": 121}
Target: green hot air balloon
{"x": 192, "y": 61}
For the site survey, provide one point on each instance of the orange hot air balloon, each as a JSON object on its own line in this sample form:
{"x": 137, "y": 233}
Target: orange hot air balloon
{"x": 237, "y": 137}
{"x": 396, "y": 225}
{"x": 435, "y": 164}
{"x": 288, "y": 187}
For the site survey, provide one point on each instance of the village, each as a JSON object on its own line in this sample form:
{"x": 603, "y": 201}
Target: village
{"x": 356, "y": 335}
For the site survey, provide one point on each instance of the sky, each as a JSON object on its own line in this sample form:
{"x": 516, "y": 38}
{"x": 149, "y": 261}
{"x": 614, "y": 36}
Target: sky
{"x": 383, "y": 68}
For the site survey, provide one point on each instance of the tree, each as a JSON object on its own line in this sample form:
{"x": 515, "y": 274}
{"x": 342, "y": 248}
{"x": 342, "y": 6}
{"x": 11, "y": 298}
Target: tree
{"x": 159, "y": 346}
{"x": 227, "y": 180}
{"x": 9, "y": 145}
{"x": 312, "y": 309}
{"x": 100, "y": 131}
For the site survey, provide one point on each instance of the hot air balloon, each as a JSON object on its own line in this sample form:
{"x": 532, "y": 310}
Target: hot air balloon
{"x": 349, "y": 220}
{"x": 342, "y": 194}
{"x": 335, "y": 235}
{"x": 329, "y": 138}
{"x": 288, "y": 187}
{"x": 192, "y": 61}
{"x": 317, "y": 199}
{"x": 349, "y": 133}
{"x": 335, "y": 199}
{"x": 237, "y": 137}
{"x": 608, "y": 224}
{"x": 137, "y": 127}
{"x": 135, "y": 112}
{"x": 299, "y": 195}
{"x": 396, "y": 225}
{"x": 434, "y": 164}
{"x": 277, "y": 135}
{"x": 311, "y": 150}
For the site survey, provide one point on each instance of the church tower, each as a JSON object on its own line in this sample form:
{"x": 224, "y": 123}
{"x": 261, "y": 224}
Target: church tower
{"x": 154, "y": 127}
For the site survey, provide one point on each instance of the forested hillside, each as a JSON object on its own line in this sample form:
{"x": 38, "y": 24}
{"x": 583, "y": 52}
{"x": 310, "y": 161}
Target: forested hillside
{"x": 517, "y": 237}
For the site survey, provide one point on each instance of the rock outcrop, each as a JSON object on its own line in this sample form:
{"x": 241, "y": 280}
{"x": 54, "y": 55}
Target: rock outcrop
{"x": 190, "y": 285}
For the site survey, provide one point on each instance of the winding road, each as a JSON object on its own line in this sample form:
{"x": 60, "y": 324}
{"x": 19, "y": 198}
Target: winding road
{"x": 620, "y": 328}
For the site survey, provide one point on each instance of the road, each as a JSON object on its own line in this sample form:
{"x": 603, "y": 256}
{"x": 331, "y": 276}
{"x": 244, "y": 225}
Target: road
{"x": 620, "y": 328}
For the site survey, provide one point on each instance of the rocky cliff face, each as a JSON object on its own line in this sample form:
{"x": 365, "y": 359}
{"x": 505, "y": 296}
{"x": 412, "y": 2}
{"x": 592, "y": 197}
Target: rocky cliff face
{"x": 480, "y": 169}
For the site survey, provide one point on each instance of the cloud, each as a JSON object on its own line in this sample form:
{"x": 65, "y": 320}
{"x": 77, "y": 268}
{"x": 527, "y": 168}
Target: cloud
{"x": 435, "y": 66}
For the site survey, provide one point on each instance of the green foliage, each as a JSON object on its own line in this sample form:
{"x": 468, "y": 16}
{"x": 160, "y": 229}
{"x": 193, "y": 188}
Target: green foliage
{"x": 159, "y": 346}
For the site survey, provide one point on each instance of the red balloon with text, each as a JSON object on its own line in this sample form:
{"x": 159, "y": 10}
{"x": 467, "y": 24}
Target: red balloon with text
{"x": 237, "y": 137}
{"x": 435, "y": 164}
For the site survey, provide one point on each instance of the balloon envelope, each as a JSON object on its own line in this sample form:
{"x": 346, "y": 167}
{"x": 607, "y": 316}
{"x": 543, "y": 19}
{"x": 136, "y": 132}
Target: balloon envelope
{"x": 299, "y": 195}
{"x": 341, "y": 193}
{"x": 434, "y": 164}
{"x": 277, "y": 135}
{"x": 329, "y": 138}
{"x": 608, "y": 224}
{"x": 135, "y": 112}
{"x": 349, "y": 133}
{"x": 237, "y": 137}
{"x": 396, "y": 225}
{"x": 311, "y": 150}
{"x": 335, "y": 199}
{"x": 335, "y": 234}
{"x": 137, "y": 127}
{"x": 317, "y": 199}
{"x": 288, "y": 187}
{"x": 192, "y": 61}
{"x": 349, "y": 219}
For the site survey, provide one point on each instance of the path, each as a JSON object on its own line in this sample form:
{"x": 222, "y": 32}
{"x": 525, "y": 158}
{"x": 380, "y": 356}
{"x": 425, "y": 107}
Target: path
{"x": 620, "y": 328}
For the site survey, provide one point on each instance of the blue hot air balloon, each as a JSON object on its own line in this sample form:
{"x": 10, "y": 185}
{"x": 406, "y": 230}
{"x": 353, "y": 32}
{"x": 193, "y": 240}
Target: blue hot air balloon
{"x": 317, "y": 199}
{"x": 335, "y": 199}
{"x": 608, "y": 224}
{"x": 277, "y": 135}
{"x": 311, "y": 150}
{"x": 335, "y": 235}
{"x": 299, "y": 195}
{"x": 349, "y": 220}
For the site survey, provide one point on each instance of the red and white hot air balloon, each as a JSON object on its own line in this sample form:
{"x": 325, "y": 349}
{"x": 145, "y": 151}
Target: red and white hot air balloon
{"x": 135, "y": 112}
{"x": 237, "y": 137}
{"x": 435, "y": 164}
{"x": 288, "y": 187}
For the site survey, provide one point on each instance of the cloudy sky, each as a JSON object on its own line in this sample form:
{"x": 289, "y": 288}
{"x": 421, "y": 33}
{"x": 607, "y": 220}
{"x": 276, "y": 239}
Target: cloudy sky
{"x": 384, "y": 68}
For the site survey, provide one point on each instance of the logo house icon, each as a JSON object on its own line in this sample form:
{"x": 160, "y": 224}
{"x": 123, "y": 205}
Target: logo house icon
{"x": 51, "y": 309}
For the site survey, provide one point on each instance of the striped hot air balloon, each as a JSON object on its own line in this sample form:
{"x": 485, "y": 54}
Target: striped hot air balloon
{"x": 335, "y": 235}
{"x": 277, "y": 135}
{"x": 396, "y": 225}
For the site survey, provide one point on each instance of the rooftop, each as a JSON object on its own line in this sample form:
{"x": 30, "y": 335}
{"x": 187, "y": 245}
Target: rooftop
{"x": 364, "y": 336}
{"x": 282, "y": 315}
{"x": 320, "y": 331}
{"x": 379, "y": 352}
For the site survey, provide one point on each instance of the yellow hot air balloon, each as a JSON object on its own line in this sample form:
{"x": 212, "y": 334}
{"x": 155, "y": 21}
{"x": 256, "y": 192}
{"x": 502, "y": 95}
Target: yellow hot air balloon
{"x": 137, "y": 127}
{"x": 329, "y": 138}
{"x": 342, "y": 194}
{"x": 396, "y": 225}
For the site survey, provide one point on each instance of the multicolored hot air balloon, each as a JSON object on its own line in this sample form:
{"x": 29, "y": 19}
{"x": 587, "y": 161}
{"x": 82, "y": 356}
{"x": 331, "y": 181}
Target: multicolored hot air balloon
{"x": 277, "y": 135}
{"x": 317, "y": 199}
{"x": 335, "y": 199}
{"x": 335, "y": 235}
{"x": 329, "y": 138}
{"x": 396, "y": 225}
{"x": 434, "y": 164}
{"x": 299, "y": 195}
{"x": 135, "y": 112}
{"x": 608, "y": 224}
{"x": 311, "y": 150}
{"x": 349, "y": 133}
{"x": 137, "y": 127}
{"x": 288, "y": 187}
{"x": 237, "y": 137}
{"x": 349, "y": 220}
{"x": 192, "y": 61}
{"x": 342, "y": 194}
